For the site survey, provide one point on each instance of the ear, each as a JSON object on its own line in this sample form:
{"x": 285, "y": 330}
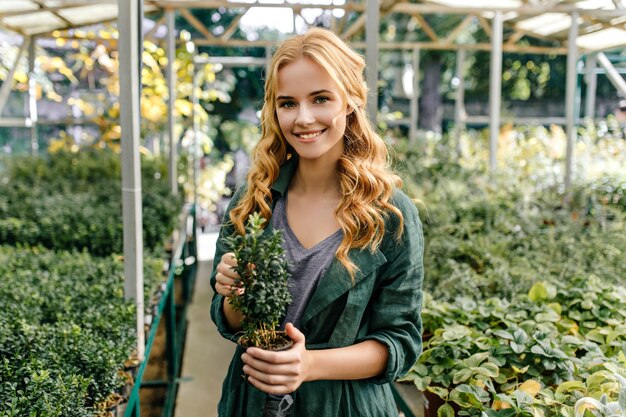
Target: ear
{"x": 349, "y": 110}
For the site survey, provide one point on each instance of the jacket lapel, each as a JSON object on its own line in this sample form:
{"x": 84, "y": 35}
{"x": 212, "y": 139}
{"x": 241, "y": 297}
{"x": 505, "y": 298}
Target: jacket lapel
{"x": 336, "y": 281}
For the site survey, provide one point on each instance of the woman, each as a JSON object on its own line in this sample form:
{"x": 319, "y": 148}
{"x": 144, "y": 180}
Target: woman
{"x": 353, "y": 239}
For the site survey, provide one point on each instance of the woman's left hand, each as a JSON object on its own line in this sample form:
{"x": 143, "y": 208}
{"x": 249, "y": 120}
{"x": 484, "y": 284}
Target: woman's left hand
{"x": 278, "y": 372}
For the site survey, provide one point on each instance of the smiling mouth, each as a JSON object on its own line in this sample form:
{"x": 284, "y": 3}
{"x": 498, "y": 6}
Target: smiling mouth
{"x": 310, "y": 135}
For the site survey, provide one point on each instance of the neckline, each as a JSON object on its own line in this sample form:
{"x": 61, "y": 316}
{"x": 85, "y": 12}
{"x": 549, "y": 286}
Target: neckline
{"x": 295, "y": 238}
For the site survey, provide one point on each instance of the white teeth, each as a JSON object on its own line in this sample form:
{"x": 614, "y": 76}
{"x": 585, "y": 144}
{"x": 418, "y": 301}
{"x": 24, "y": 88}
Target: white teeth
{"x": 310, "y": 135}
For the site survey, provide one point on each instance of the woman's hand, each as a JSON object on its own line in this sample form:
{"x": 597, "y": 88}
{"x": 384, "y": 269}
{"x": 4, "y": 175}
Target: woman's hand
{"x": 227, "y": 280}
{"x": 279, "y": 372}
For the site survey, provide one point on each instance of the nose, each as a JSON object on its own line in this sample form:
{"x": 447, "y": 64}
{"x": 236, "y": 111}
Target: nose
{"x": 305, "y": 116}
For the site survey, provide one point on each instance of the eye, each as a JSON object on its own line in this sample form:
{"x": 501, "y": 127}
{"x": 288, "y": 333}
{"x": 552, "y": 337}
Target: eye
{"x": 321, "y": 99}
{"x": 287, "y": 104}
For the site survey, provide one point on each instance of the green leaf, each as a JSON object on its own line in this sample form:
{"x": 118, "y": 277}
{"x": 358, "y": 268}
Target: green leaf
{"x": 615, "y": 333}
{"x": 456, "y": 332}
{"x": 441, "y": 392}
{"x": 517, "y": 348}
{"x": 475, "y": 393}
{"x": 558, "y": 308}
{"x": 538, "y": 292}
{"x": 422, "y": 382}
{"x": 520, "y": 336}
{"x": 571, "y": 386}
{"x": 445, "y": 410}
{"x": 503, "y": 334}
{"x": 476, "y": 359}
{"x": 621, "y": 400}
{"x": 420, "y": 369}
{"x": 548, "y": 316}
{"x": 595, "y": 336}
{"x": 489, "y": 369}
{"x": 462, "y": 375}
{"x": 438, "y": 369}
{"x": 460, "y": 398}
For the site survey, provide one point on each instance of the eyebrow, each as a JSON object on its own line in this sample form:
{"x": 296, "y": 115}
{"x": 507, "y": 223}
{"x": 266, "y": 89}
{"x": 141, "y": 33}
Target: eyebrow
{"x": 314, "y": 93}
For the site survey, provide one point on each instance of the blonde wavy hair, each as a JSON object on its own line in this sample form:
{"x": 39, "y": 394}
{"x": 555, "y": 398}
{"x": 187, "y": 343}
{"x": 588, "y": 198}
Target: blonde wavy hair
{"x": 366, "y": 181}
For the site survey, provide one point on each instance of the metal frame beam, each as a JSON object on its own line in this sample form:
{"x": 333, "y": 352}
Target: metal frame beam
{"x": 193, "y": 21}
{"x": 459, "y": 97}
{"x": 591, "y": 78}
{"x": 415, "y": 58}
{"x": 52, "y": 9}
{"x": 32, "y": 96}
{"x": 372, "y": 26}
{"x": 616, "y": 79}
{"x": 441, "y": 46}
{"x": 570, "y": 105}
{"x": 130, "y": 37}
{"x": 495, "y": 88}
{"x": 7, "y": 84}
{"x": 170, "y": 46}
{"x": 55, "y": 12}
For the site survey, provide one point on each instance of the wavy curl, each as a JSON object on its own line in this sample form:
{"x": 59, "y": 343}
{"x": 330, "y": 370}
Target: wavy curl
{"x": 366, "y": 181}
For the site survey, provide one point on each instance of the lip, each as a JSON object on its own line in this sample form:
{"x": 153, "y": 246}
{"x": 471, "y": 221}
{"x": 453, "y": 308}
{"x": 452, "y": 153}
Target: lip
{"x": 308, "y": 132}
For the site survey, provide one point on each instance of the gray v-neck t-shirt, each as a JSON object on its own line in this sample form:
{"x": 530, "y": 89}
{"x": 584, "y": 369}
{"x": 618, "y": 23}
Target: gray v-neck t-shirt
{"x": 307, "y": 266}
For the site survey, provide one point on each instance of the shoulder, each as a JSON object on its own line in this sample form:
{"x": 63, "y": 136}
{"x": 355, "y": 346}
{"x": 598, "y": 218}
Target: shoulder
{"x": 412, "y": 235}
{"x": 406, "y": 206}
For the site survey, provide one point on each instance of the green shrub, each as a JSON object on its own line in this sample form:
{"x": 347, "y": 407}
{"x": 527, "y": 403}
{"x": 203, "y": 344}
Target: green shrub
{"x": 497, "y": 235}
{"x": 538, "y": 353}
{"x": 74, "y": 201}
{"x": 65, "y": 330}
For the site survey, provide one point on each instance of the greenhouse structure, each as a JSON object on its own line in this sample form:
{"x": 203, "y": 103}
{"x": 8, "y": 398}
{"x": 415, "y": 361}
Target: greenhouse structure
{"x": 126, "y": 125}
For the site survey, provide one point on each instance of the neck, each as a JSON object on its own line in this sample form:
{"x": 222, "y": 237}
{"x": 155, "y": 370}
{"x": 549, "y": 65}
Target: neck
{"x": 317, "y": 178}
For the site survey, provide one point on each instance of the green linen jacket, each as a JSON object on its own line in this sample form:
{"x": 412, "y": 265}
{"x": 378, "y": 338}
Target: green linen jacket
{"x": 382, "y": 304}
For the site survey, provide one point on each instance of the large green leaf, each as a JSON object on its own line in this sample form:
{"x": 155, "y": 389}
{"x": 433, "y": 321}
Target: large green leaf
{"x": 445, "y": 410}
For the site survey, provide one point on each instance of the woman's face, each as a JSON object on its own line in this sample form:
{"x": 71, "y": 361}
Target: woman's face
{"x": 310, "y": 111}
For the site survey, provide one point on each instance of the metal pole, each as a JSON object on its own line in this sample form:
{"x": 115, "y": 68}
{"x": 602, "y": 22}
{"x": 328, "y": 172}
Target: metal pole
{"x": 7, "y": 85}
{"x": 195, "y": 102}
{"x": 171, "y": 89}
{"x": 32, "y": 96}
{"x": 495, "y": 90}
{"x": 614, "y": 77}
{"x": 268, "y": 59}
{"x": 570, "y": 91}
{"x": 415, "y": 96}
{"x": 459, "y": 99}
{"x": 129, "y": 30}
{"x": 372, "y": 23}
{"x": 592, "y": 82}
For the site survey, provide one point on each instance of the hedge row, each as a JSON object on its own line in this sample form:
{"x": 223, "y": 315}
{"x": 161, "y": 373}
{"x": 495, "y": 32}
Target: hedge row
{"x": 74, "y": 201}
{"x": 65, "y": 330}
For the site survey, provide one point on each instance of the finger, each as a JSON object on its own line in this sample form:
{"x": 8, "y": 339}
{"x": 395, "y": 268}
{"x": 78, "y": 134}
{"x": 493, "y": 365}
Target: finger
{"x": 231, "y": 291}
{"x": 286, "y": 370}
{"x": 269, "y": 378}
{"x": 256, "y": 356}
{"x": 267, "y": 388}
{"x": 227, "y": 271}
{"x": 228, "y": 281}
{"x": 226, "y": 286}
{"x": 229, "y": 259}
{"x": 295, "y": 334}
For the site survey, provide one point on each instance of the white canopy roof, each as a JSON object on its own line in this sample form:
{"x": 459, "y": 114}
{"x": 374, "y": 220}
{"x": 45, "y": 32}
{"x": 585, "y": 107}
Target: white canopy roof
{"x": 602, "y": 23}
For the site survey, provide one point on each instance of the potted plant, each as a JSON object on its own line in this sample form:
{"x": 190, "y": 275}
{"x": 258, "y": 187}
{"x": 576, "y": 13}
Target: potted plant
{"x": 262, "y": 266}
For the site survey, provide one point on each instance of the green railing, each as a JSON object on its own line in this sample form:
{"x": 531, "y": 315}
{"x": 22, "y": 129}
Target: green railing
{"x": 182, "y": 267}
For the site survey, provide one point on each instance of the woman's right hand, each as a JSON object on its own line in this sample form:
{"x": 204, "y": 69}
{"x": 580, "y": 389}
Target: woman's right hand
{"x": 227, "y": 280}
